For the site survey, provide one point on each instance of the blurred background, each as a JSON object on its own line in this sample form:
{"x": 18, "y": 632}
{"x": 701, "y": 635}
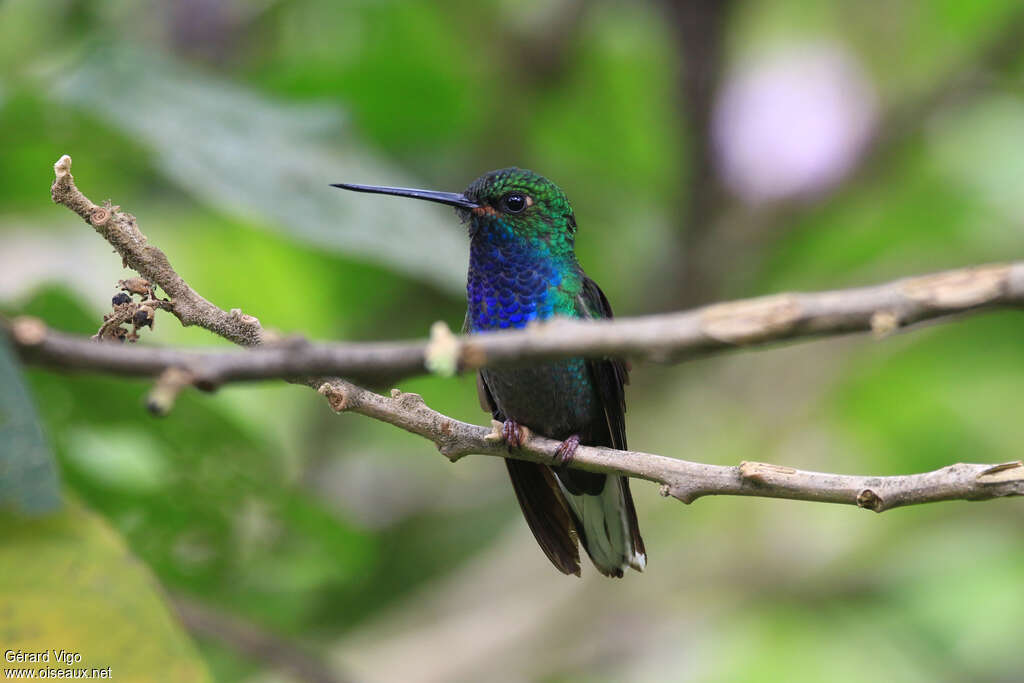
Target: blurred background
{"x": 712, "y": 149}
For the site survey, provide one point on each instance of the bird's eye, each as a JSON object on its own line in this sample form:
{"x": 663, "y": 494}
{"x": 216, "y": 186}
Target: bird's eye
{"x": 514, "y": 202}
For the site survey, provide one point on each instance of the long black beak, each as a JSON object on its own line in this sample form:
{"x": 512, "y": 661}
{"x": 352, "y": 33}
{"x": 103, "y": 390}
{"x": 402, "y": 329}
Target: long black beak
{"x": 450, "y": 198}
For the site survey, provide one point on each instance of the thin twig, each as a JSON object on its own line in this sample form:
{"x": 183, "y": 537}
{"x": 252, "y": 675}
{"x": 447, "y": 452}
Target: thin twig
{"x": 118, "y": 228}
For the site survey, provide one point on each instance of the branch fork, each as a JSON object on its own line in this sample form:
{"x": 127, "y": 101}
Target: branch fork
{"x": 880, "y": 310}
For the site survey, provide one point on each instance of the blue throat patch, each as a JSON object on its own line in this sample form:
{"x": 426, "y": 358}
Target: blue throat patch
{"x": 511, "y": 280}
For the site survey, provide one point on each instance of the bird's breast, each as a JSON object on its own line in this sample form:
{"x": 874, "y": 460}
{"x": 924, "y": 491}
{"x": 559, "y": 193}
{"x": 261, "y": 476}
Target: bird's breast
{"x": 556, "y": 399}
{"x": 509, "y": 285}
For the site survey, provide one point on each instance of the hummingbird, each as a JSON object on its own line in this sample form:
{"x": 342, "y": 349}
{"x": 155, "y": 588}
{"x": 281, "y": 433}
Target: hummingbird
{"x": 523, "y": 268}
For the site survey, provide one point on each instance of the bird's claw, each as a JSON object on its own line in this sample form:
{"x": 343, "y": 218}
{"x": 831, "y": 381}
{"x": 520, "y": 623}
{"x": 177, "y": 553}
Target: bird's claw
{"x": 513, "y": 433}
{"x": 566, "y": 451}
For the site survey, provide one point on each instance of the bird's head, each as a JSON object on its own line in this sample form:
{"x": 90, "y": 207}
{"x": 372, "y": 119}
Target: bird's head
{"x": 509, "y": 201}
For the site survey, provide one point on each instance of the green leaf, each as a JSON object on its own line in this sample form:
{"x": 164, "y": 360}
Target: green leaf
{"x": 266, "y": 161}
{"x": 28, "y": 473}
{"x": 69, "y": 583}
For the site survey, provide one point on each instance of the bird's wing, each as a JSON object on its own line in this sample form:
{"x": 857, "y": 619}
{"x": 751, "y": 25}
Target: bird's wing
{"x": 610, "y": 375}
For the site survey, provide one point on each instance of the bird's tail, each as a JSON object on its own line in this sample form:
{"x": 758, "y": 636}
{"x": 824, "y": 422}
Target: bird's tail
{"x": 607, "y": 526}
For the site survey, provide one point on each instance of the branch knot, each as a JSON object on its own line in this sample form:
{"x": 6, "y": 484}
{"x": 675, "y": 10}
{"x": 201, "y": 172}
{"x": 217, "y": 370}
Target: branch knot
{"x": 336, "y": 398}
{"x": 870, "y": 500}
{"x": 100, "y": 216}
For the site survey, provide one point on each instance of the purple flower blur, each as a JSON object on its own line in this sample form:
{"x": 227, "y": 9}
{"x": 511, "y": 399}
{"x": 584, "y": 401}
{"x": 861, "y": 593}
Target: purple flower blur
{"x": 793, "y": 124}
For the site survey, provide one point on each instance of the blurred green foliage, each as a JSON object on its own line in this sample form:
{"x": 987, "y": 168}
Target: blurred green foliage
{"x": 356, "y": 540}
{"x": 68, "y": 583}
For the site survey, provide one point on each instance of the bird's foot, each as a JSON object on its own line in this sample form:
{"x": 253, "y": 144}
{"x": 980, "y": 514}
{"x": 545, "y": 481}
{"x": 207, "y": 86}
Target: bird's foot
{"x": 514, "y": 434}
{"x": 566, "y": 451}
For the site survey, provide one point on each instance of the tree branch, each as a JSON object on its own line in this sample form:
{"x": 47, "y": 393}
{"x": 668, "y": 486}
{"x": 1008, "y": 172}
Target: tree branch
{"x": 681, "y": 479}
{"x": 676, "y": 336}
{"x": 747, "y": 323}
{"x": 699, "y": 29}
